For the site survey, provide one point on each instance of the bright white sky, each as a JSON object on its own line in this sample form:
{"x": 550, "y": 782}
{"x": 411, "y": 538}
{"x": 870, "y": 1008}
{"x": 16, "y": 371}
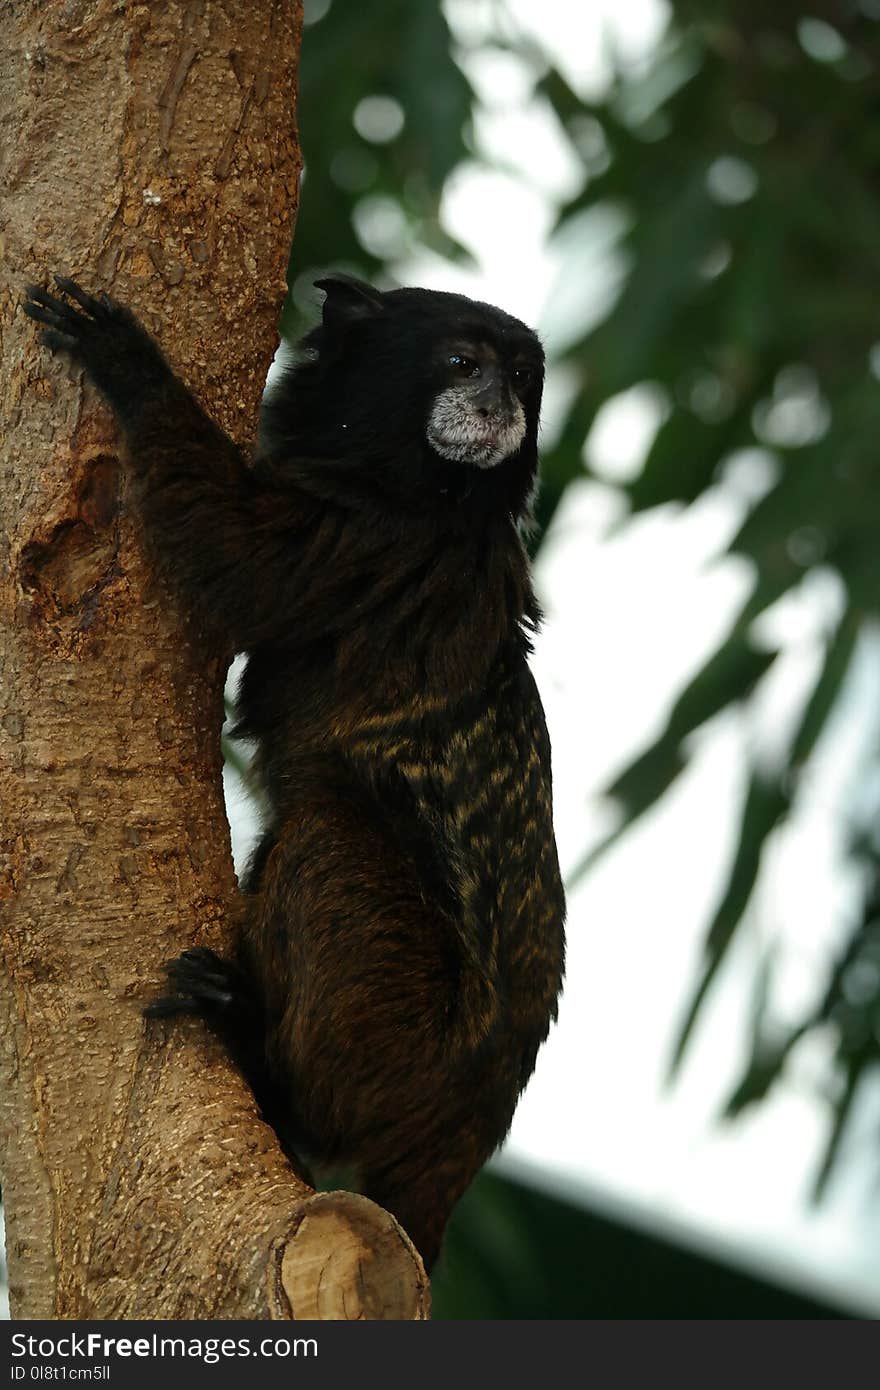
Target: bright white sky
{"x": 629, "y": 619}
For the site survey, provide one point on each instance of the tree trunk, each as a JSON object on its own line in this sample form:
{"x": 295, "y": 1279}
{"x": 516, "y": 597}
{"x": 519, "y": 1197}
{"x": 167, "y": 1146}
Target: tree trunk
{"x": 149, "y": 150}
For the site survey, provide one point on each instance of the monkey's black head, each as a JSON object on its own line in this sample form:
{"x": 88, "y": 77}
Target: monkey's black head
{"x": 417, "y": 390}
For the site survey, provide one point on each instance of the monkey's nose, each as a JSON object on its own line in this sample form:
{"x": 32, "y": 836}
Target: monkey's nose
{"x": 488, "y": 401}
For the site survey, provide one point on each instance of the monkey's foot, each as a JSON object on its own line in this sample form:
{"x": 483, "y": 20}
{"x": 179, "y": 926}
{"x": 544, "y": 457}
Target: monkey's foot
{"x": 201, "y": 982}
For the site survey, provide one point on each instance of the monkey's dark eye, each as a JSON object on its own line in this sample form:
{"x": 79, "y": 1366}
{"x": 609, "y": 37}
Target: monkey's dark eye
{"x": 463, "y": 366}
{"x": 522, "y": 377}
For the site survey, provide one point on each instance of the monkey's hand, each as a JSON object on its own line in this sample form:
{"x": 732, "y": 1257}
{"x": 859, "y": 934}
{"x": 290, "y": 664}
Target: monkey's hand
{"x": 196, "y": 496}
{"x": 103, "y": 337}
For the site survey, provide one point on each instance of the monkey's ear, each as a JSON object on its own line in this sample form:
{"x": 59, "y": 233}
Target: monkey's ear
{"x": 348, "y": 300}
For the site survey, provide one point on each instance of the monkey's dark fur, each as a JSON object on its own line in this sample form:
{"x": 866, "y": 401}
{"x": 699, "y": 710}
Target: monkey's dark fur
{"x": 402, "y": 944}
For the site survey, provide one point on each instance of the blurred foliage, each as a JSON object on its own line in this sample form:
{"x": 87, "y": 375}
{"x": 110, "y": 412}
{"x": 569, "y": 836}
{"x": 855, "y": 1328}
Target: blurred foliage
{"x": 376, "y": 65}
{"x": 744, "y": 160}
{"x": 754, "y": 246}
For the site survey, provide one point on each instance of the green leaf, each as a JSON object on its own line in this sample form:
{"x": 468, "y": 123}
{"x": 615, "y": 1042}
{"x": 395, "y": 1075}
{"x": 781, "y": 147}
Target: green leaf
{"x": 764, "y": 806}
{"x": 664, "y": 279}
{"x": 683, "y": 459}
{"x": 729, "y": 675}
{"x": 827, "y": 687}
{"x": 842, "y": 1111}
{"x": 764, "y": 1069}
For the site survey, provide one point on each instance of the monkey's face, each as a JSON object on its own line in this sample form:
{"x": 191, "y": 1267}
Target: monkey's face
{"x": 479, "y": 416}
{"x": 413, "y": 393}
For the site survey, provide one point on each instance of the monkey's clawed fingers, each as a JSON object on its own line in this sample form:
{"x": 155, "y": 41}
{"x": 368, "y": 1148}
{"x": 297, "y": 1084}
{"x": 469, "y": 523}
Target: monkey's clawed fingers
{"x": 65, "y": 324}
{"x": 99, "y": 307}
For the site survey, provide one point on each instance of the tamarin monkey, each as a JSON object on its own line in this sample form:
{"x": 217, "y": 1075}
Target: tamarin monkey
{"x": 401, "y": 949}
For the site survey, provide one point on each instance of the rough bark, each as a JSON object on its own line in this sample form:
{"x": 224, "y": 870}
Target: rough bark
{"x": 149, "y": 150}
